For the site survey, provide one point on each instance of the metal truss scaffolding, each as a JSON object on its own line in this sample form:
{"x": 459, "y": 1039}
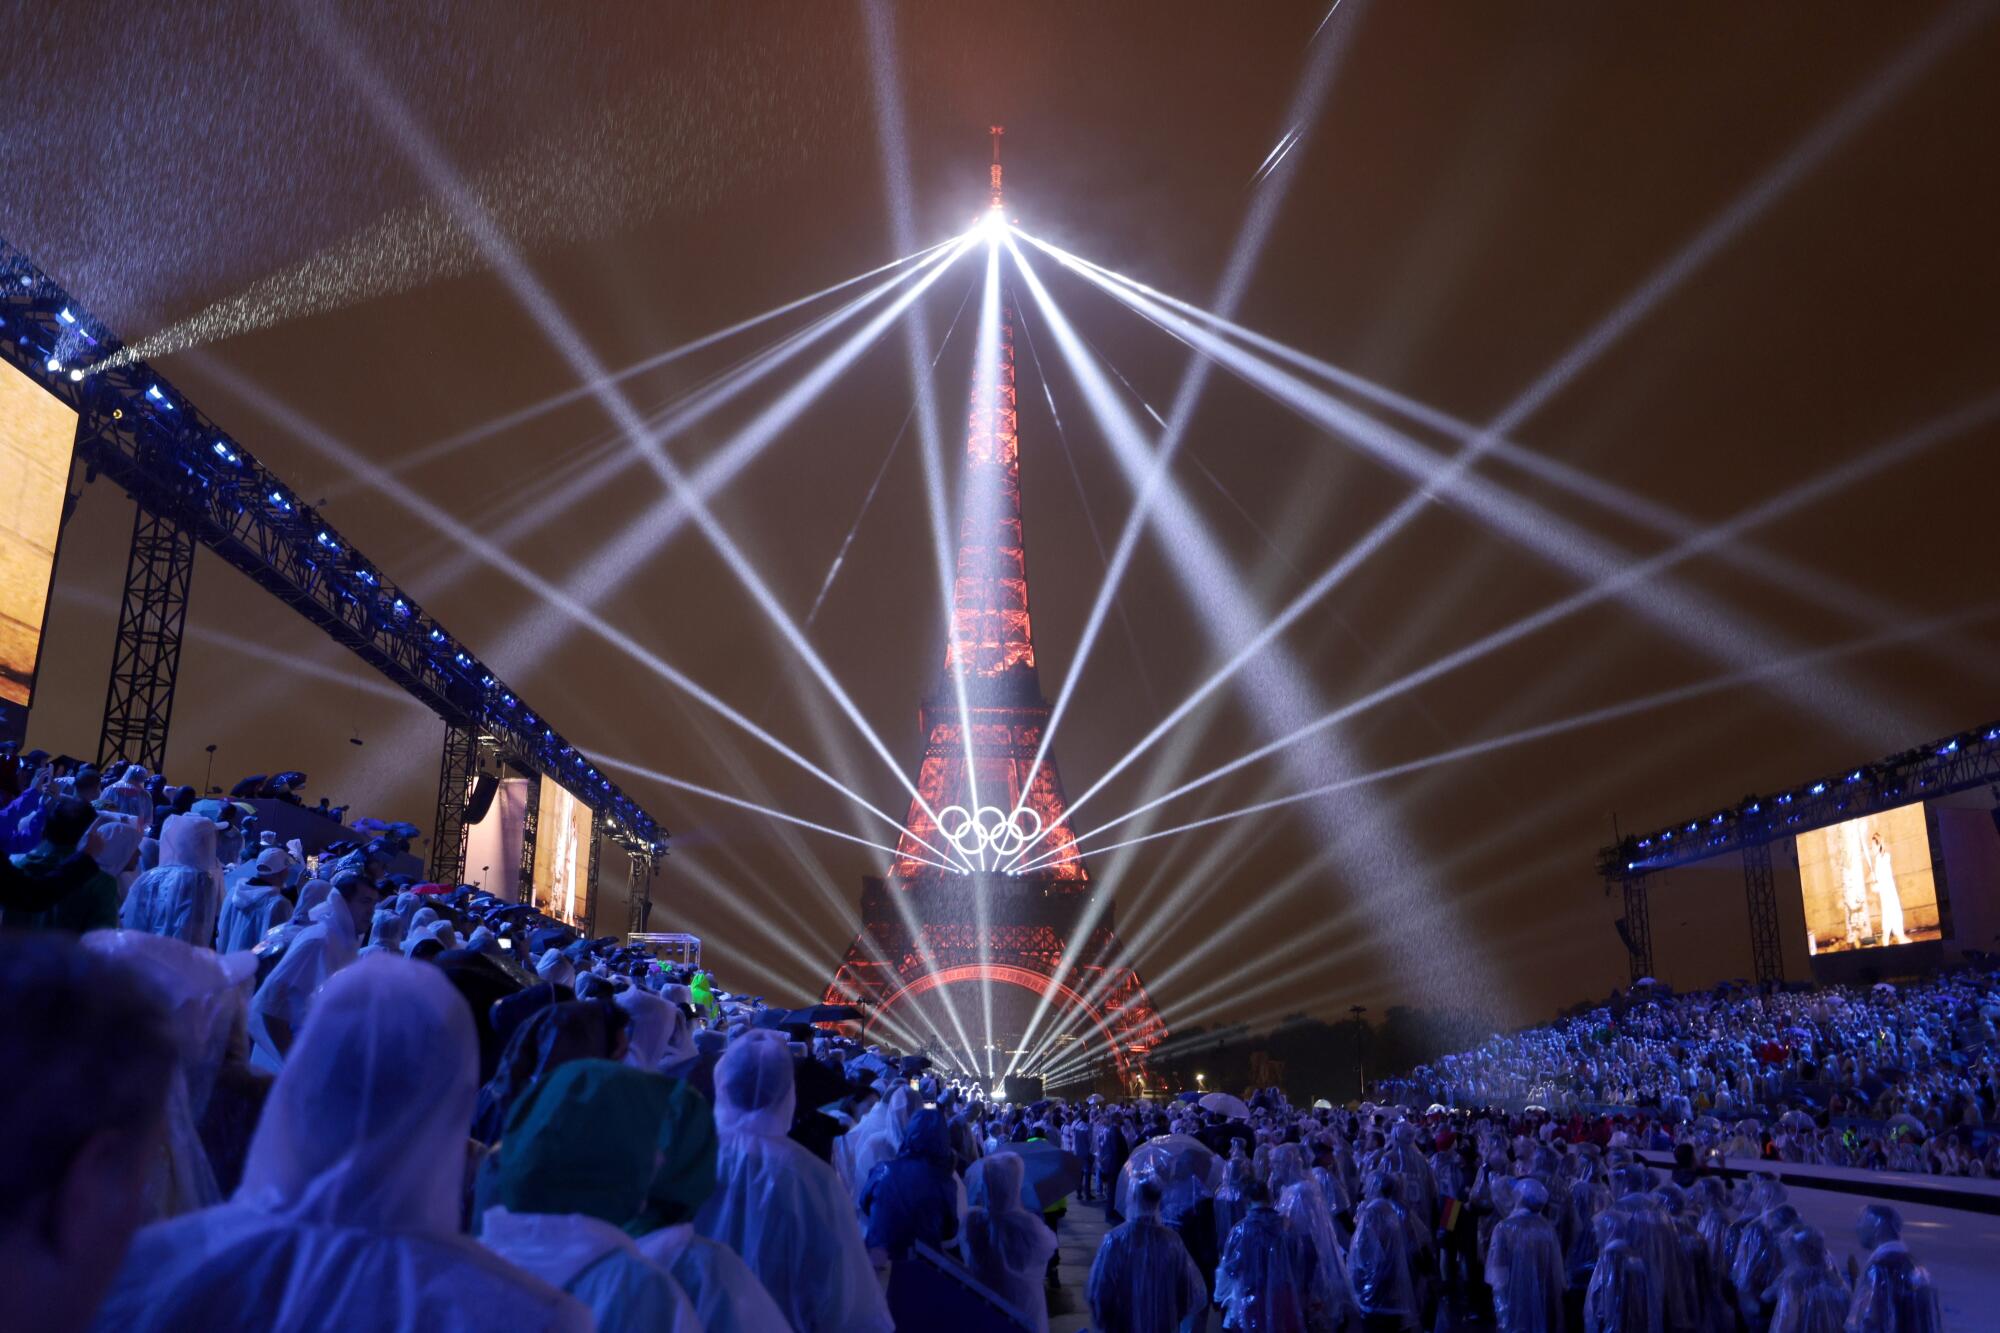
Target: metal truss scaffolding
{"x": 455, "y": 773}
{"x": 139, "y": 703}
{"x": 1760, "y": 893}
{"x": 195, "y": 483}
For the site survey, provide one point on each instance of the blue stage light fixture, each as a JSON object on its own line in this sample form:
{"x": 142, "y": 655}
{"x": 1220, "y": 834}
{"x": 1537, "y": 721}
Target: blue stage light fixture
{"x": 76, "y": 377}
{"x": 281, "y": 502}
{"x": 1855, "y": 776}
{"x": 1949, "y": 747}
{"x": 437, "y": 635}
{"x": 326, "y": 539}
{"x": 402, "y": 608}
{"x": 55, "y": 366}
{"x": 1818, "y": 789}
{"x": 65, "y": 316}
{"x": 225, "y": 453}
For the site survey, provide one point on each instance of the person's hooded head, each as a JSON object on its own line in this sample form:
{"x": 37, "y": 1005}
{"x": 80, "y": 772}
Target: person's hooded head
{"x": 1531, "y": 1196}
{"x": 928, "y": 1138}
{"x": 685, "y": 1174}
{"x": 365, "y": 1126}
{"x": 583, "y": 1140}
{"x": 358, "y": 892}
{"x": 754, "y": 1092}
{"x": 1805, "y": 1248}
{"x": 272, "y": 865}
{"x": 994, "y": 1182}
{"x": 429, "y": 940}
{"x": 550, "y": 1038}
{"x": 189, "y": 840}
{"x": 652, "y": 1021}
{"x": 119, "y": 857}
{"x": 385, "y": 930}
{"x": 553, "y": 967}
{"x": 1878, "y": 1225}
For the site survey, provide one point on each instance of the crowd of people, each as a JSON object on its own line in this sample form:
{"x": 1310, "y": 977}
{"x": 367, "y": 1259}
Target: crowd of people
{"x": 1887, "y": 1077}
{"x": 254, "y": 1088}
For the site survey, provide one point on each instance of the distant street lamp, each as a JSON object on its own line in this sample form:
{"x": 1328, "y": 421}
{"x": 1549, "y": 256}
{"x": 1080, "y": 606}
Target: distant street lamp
{"x": 1201, "y": 1080}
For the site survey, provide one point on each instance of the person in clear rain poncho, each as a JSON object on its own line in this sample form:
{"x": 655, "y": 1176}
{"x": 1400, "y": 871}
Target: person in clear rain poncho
{"x": 726, "y": 1294}
{"x": 279, "y": 1008}
{"x": 1760, "y": 1257}
{"x": 1524, "y": 1265}
{"x": 1232, "y": 1200}
{"x": 1811, "y": 1296}
{"x": 1265, "y": 1282}
{"x": 190, "y": 841}
{"x": 1622, "y": 1296}
{"x": 256, "y": 903}
{"x": 1378, "y": 1259}
{"x": 572, "y": 1169}
{"x": 914, "y": 1195}
{"x": 1892, "y": 1293}
{"x": 1143, "y": 1280}
{"x": 1298, "y": 1199}
{"x": 347, "y": 1216}
{"x": 1009, "y": 1246}
{"x": 781, "y": 1208}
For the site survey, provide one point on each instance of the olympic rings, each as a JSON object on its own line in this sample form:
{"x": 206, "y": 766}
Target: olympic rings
{"x": 989, "y": 833}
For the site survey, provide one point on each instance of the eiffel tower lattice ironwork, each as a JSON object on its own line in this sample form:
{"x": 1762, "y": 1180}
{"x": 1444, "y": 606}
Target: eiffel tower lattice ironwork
{"x": 925, "y": 926}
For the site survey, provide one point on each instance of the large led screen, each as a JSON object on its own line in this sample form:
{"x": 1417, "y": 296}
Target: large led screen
{"x": 562, "y": 855}
{"x": 1867, "y": 883}
{"x": 37, "y": 433}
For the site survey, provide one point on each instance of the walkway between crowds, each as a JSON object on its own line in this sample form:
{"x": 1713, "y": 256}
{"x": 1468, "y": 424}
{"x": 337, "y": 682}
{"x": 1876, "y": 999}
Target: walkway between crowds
{"x": 1082, "y": 1230}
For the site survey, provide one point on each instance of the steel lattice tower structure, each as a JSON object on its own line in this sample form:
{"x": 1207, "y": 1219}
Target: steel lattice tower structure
{"x": 924, "y": 926}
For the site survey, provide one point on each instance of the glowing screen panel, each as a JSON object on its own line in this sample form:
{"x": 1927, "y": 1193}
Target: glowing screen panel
{"x": 37, "y": 433}
{"x": 562, "y": 855}
{"x": 1867, "y": 883}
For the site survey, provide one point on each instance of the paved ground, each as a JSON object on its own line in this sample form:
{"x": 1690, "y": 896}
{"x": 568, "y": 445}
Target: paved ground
{"x": 1082, "y": 1228}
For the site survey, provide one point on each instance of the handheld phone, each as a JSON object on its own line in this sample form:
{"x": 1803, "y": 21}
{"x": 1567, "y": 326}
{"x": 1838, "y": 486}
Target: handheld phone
{"x": 506, "y": 943}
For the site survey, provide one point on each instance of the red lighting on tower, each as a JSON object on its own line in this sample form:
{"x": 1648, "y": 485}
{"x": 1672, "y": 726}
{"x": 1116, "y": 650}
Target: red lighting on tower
{"x": 990, "y": 927}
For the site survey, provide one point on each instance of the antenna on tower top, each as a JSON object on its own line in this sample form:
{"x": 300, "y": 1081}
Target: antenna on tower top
{"x": 997, "y": 131}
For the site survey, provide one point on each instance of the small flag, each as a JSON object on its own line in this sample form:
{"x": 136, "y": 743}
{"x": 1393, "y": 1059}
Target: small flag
{"x": 1448, "y": 1215}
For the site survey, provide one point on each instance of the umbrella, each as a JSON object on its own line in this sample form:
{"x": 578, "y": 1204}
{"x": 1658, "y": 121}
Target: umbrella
{"x": 1796, "y": 1120}
{"x": 1223, "y": 1104}
{"x": 1188, "y": 1097}
{"x": 291, "y": 777}
{"x": 1198, "y": 1155}
{"x": 826, "y": 1013}
{"x": 1050, "y": 1175}
{"x": 1905, "y": 1121}
{"x": 1322, "y": 1104}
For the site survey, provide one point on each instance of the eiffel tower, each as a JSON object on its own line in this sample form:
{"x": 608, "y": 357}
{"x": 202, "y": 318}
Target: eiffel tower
{"x": 948, "y": 913}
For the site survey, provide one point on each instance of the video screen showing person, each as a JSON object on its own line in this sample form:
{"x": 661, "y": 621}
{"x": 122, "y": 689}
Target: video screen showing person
{"x": 562, "y": 855}
{"x": 37, "y": 433}
{"x": 1868, "y": 883}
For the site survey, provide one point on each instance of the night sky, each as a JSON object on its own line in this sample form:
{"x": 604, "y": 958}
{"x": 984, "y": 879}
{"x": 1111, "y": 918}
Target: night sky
{"x": 1483, "y": 186}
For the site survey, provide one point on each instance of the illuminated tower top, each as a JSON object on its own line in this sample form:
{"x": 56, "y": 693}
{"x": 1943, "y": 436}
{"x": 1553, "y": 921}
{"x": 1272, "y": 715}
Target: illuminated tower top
{"x": 993, "y": 198}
